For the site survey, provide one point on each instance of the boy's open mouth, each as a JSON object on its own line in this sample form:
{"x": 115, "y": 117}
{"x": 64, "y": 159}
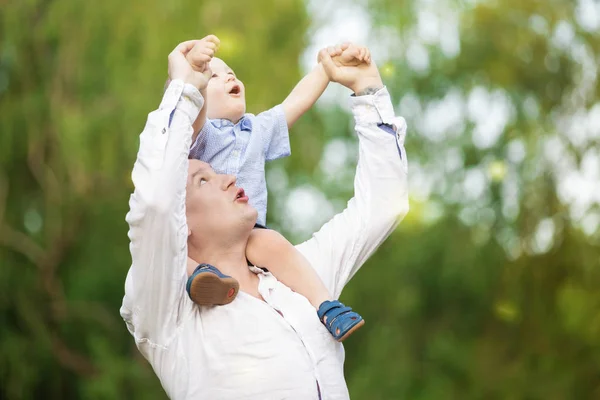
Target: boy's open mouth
{"x": 235, "y": 89}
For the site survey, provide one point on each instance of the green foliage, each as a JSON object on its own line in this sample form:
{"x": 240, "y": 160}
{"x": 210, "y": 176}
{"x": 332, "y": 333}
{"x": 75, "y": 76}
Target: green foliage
{"x": 76, "y": 83}
{"x": 487, "y": 290}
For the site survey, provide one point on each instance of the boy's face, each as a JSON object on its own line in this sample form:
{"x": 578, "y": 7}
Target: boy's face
{"x": 226, "y": 94}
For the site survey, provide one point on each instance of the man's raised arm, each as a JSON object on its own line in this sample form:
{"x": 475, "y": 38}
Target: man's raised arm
{"x": 380, "y": 199}
{"x": 154, "y": 289}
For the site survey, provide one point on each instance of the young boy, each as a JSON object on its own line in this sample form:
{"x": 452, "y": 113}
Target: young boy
{"x": 236, "y": 143}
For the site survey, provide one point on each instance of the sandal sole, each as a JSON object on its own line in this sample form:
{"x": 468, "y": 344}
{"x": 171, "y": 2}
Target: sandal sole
{"x": 208, "y": 289}
{"x": 351, "y": 331}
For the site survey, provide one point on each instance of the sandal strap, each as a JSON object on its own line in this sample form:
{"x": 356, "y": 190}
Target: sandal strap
{"x": 339, "y": 316}
{"x": 326, "y": 306}
{"x": 344, "y": 322}
{"x": 209, "y": 268}
{"x": 336, "y": 313}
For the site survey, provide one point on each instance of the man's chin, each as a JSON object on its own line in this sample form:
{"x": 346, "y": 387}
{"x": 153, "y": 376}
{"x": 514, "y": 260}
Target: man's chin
{"x": 252, "y": 216}
{"x": 244, "y": 225}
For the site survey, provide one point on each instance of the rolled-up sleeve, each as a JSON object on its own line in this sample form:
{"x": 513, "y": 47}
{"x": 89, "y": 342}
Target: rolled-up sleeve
{"x": 380, "y": 199}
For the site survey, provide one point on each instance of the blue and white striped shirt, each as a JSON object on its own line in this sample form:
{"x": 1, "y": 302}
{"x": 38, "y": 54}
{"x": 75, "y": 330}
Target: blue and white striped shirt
{"x": 242, "y": 149}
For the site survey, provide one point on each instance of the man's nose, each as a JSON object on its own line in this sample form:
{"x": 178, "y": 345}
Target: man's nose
{"x": 228, "y": 180}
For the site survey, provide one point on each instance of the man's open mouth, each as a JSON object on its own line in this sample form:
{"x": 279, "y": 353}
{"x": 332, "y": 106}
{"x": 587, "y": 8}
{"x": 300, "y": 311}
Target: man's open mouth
{"x": 241, "y": 195}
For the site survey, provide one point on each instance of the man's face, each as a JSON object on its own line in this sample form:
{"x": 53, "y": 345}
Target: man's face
{"x": 226, "y": 93}
{"x": 215, "y": 207}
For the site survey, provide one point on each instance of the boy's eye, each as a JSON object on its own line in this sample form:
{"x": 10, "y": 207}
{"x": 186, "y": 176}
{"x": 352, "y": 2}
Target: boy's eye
{"x": 214, "y": 75}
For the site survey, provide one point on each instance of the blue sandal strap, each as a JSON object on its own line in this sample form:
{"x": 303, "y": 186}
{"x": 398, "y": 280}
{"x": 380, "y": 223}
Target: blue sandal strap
{"x": 339, "y": 316}
{"x": 335, "y": 313}
{"x": 326, "y": 306}
{"x": 344, "y": 323}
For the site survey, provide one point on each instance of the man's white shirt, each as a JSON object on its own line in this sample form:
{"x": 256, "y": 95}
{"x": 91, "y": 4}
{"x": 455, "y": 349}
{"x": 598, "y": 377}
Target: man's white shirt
{"x": 250, "y": 349}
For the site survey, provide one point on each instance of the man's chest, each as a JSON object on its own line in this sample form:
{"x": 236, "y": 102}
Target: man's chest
{"x": 257, "y": 348}
{"x": 283, "y": 320}
{"x": 247, "y": 347}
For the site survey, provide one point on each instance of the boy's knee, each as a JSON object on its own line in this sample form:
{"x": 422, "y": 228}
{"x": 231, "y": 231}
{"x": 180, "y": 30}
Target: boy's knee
{"x": 267, "y": 239}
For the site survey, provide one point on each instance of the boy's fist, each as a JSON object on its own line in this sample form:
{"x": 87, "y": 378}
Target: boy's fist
{"x": 189, "y": 61}
{"x": 347, "y": 54}
{"x": 351, "y": 66}
{"x": 202, "y": 52}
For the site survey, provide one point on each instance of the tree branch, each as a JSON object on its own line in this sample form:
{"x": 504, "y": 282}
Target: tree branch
{"x": 21, "y": 243}
{"x": 71, "y": 359}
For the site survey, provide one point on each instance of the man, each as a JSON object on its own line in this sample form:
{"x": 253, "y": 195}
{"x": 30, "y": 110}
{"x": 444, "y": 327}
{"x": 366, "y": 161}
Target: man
{"x": 268, "y": 343}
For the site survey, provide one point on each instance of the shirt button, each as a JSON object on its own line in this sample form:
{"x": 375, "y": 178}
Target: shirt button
{"x": 164, "y": 130}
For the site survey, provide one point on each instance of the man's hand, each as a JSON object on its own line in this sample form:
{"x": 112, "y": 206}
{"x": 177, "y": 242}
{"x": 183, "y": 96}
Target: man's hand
{"x": 351, "y": 66}
{"x": 180, "y": 68}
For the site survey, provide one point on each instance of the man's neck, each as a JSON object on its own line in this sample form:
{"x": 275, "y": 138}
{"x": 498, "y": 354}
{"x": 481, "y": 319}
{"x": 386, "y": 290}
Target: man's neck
{"x": 232, "y": 263}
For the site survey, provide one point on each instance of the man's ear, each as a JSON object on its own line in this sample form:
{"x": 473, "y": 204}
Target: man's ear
{"x": 189, "y": 232}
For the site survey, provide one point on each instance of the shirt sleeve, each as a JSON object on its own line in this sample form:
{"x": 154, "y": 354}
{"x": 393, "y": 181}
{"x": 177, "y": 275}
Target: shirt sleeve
{"x": 272, "y": 126}
{"x": 380, "y": 199}
{"x": 155, "y": 286}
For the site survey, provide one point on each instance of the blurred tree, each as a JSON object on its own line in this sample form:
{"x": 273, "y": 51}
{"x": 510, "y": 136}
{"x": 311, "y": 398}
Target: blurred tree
{"x": 488, "y": 290}
{"x": 496, "y": 268}
{"x": 76, "y": 83}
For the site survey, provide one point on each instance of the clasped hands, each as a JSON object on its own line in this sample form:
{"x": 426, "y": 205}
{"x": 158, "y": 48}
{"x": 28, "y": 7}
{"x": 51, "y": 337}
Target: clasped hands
{"x": 348, "y": 64}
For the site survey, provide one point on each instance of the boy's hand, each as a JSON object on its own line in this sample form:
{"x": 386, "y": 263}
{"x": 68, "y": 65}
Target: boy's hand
{"x": 351, "y": 66}
{"x": 349, "y": 55}
{"x": 200, "y": 53}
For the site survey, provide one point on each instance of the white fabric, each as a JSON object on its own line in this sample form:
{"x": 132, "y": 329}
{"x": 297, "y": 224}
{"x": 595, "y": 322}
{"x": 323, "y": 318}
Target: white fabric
{"x": 249, "y": 349}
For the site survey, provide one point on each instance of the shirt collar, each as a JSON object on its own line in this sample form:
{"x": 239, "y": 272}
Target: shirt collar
{"x": 245, "y": 124}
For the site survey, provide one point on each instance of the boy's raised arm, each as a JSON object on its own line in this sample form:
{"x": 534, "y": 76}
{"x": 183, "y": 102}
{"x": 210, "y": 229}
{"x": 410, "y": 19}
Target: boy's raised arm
{"x": 311, "y": 87}
{"x": 305, "y": 94}
{"x": 199, "y": 58}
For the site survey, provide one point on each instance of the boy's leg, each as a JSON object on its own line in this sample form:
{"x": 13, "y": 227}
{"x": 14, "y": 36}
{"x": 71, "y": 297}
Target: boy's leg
{"x": 269, "y": 249}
